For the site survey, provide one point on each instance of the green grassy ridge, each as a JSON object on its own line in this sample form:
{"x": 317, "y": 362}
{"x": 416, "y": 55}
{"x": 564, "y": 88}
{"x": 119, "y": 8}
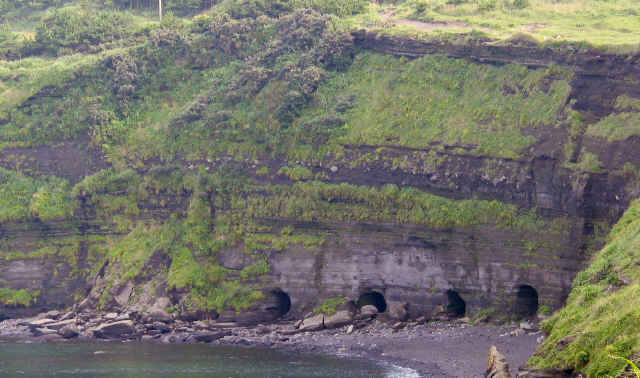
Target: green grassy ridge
{"x": 318, "y": 201}
{"x": 601, "y": 316}
{"x": 607, "y": 25}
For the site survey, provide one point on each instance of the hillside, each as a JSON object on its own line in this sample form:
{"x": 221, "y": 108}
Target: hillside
{"x": 248, "y": 160}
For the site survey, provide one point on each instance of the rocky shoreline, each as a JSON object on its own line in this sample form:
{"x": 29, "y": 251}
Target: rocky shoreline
{"x": 433, "y": 347}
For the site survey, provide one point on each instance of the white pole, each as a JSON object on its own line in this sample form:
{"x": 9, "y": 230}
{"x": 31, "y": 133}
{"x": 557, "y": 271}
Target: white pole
{"x": 160, "y": 9}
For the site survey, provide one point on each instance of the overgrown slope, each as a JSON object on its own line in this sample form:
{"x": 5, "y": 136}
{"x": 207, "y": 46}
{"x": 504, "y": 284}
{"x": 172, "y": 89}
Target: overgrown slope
{"x": 601, "y": 317}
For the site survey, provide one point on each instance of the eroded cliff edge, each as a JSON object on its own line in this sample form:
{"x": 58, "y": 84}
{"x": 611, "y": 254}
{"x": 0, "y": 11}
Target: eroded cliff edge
{"x": 230, "y": 236}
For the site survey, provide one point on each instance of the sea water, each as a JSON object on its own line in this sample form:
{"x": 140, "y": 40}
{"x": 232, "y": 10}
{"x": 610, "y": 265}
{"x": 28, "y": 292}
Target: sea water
{"x": 138, "y": 359}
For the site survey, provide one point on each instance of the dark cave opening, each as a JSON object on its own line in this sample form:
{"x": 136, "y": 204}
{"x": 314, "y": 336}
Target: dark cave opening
{"x": 456, "y": 306}
{"x": 526, "y": 303}
{"x": 372, "y": 298}
{"x": 279, "y": 303}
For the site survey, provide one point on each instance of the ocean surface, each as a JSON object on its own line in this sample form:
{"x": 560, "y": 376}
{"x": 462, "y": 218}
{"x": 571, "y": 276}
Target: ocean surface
{"x": 137, "y": 359}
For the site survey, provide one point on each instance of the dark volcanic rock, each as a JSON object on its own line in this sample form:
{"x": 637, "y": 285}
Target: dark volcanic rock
{"x": 339, "y": 319}
{"x": 398, "y": 311}
{"x": 157, "y": 316}
{"x": 207, "y": 337}
{"x": 368, "y": 312}
{"x": 69, "y": 331}
{"x": 116, "y": 329}
{"x": 44, "y": 331}
{"x": 315, "y": 323}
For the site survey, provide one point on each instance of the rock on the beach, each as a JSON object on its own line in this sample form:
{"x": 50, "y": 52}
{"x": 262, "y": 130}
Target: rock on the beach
{"x": 53, "y": 314}
{"x": 517, "y": 332}
{"x": 160, "y": 327}
{"x": 398, "y": 311}
{"x": 111, "y": 316}
{"x": 263, "y": 329}
{"x": 67, "y": 316}
{"x": 207, "y": 337}
{"x": 157, "y": 316}
{"x": 339, "y": 319}
{"x": 69, "y": 331}
{"x": 115, "y": 329}
{"x": 60, "y": 325}
{"x": 529, "y": 327}
{"x": 39, "y": 323}
{"x": 44, "y": 331}
{"x": 497, "y": 365}
{"x": 398, "y": 326}
{"x": 438, "y": 311}
{"x": 315, "y": 323}
{"x": 368, "y": 312}
{"x": 350, "y": 329}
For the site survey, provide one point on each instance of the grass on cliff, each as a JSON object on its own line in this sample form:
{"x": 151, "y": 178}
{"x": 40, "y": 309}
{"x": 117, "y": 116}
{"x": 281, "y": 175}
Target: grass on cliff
{"x": 23, "y": 197}
{"x": 611, "y": 24}
{"x": 416, "y": 103}
{"x": 17, "y": 298}
{"x": 602, "y": 315}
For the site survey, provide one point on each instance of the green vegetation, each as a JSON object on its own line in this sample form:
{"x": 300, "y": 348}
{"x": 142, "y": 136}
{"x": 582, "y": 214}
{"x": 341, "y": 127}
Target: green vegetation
{"x": 620, "y": 125}
{"x": 23, "y": 197}
{"x": 605, "y": 24}
{"x": 17, "y": 298}
{"x": 329, "y": 306}
{"x": 601, "y": 316}
{"x": 433, "y": 99}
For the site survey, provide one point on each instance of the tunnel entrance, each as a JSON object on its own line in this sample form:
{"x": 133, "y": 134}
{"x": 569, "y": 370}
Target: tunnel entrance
{"x": 456, "y": 306}
{"x": 372, "y": 298}
{"x": 526, "y": 304}
{"x": 279, "y": 303}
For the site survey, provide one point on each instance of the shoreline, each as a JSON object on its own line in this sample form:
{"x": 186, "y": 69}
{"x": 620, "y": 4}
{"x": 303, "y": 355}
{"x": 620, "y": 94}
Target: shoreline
{"x": 447, "y": 349}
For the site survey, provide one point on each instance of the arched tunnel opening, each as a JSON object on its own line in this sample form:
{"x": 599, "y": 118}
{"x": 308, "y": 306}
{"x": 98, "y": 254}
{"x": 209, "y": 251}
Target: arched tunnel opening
{"x": 456, "y": 306}
{"x": 526, "y": 303}
{"x": 372, "y": 298}
{"x": 279, "y": 303}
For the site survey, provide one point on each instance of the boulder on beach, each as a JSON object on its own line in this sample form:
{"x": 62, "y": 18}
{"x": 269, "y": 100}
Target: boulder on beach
{"x": 60, "y": 325}
{"x": 339, "y": 319}
{"x": 159, "y": 326}
{"x": 497, "y": 365}
{"x": 67, "y": 316}
{"x": 69, "y": 331}
{"x": 44, "y": 331}
{"x": 37, "y": 323}
{"x": 368, "y": 312}
{"x": 398, "y": 311}
{"x": 315, "y": 323}
{"x": 157, "y": 316}
{"x": 115, "y": 329}
{"x": 209, "y": 336}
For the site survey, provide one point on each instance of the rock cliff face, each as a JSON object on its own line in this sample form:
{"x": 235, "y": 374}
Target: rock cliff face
{"x": 464, "y": 269}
